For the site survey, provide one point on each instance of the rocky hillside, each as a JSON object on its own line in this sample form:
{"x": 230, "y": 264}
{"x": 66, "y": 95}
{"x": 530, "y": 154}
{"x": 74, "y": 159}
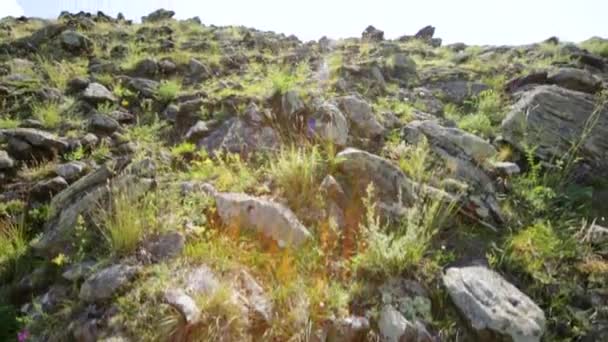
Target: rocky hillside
{"x": 173, "y": 181}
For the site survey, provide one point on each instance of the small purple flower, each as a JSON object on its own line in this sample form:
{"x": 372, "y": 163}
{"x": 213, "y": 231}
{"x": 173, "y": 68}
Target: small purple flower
{"x": 23, "y": 335}
{"x": 311, "y": 125}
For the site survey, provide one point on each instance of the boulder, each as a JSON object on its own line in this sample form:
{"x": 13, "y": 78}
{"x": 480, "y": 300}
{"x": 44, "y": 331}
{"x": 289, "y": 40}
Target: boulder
{"x": 97, "y": 93}
{"x": 147, "y": 68}
{"x": 373, "y": 34}
{"x": 76, "y": 42}
{"x": 46, "y": 189}
{"x": 238, "y": 136}
{"x": 554, "y": 119}
{"x": 103, "y": 124}
{"x": 105, "y": 283}
{"x": 361, "y": 116}
{"x": 30, "y": 143}
{"x": 360, "y": 168}
{"x": 494, "y": 307}
{"x": 426, "y": 33}
{"x": 158, "y": 15}
{"x": 575, "y": 79}
{"x": 269, "y": 218}
{"x": 143, "y": 86}
{"x": 329, "y": 124}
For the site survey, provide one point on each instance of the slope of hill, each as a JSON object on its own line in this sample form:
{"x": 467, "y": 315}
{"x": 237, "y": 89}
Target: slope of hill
{"x": 172, "y": 181}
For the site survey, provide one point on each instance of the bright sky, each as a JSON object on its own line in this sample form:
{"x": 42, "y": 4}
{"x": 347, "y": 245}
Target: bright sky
{"x": 471, "y": 21}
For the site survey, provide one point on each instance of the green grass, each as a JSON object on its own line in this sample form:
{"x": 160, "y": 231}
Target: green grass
{"x": 228, "y": 172}
{"x": 168, "y": 90}
{"x": 596, "y": 46}
{"x": 6, "y": 123}
{"x": 126, "y": 220}
{"x": 49, "y": 114}
{"x": 537, "y": 250}
{"x": 13, "y": 245}
{"x": 59, "y": 73}
{"x": 183, "y": 149}
{"x": 297, "y": 171}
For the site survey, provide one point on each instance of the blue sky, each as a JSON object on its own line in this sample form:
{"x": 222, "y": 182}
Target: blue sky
{"x": 469, "y": 21}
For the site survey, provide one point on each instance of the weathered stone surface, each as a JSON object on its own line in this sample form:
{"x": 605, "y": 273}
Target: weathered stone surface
{"x": 393, "y": 327}
{"x": 101, "y": 123}
{"x": 553, "y": 119}
{"x": 71, "y": 171}
{"x": 348, "y": 329}
{"x": 184, "y": 304}
{"x": 105, "y": 283}
{"x": 575, "y": 79}
{"x": 259, "y": 304}
{"x": 46, "y": 189}
{"x": 237, "y": 136}
{"x": 76, "y": 42}
{"x": 373, "y": 34}
{"x": 362, "y": 168}
{"x": 494, "y": 306}
{"x": 158, "y": 15}
{"x": 6, "y": 162}
{"x": 36, "y": 138}
{"x": 272, "y": 219}
{"x": 361, "y": 116}
{"x": 329, "y": 124}
{"x": 166, "y": 246}
{"x": 97, "y": 93}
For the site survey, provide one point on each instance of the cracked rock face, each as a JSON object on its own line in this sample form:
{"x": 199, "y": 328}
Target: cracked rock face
{"x": 493, "y": 306}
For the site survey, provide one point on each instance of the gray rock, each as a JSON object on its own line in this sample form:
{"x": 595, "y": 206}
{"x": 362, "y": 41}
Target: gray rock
{"x": 329, "y": 124}
{"x": 494, "y": 306}
{"x": 362, "y": 168}
{"x": 348, "y": 329}
{"x": 89, "y": 140}
{"x": 101, "y": 123}
{"x": 97, "y": 93}
{"x": 575, "y": 79}
{"x": 198, "y": 131}
{"x": 46, "y": 189}
{"x": 201, "y": 280}
{"x": 75, "y": 42}
{"x": 360, "y": 114}
{"x": 259, "y": 305}
{"x": 401, "y": 67}
{"x": 36, "y": 138}
{"x": 426, "y": 33}
{"x": 453, "y": 140}
{"x": 6, "y": 162}
{"x": 238, "y": 136}
{"x": 393, "y": 327}
{"x": 105, "y": 283}
{"x": 144, "y": 87}
{"x": 158, "y": 15}
{"x": 553, "y": 120}
{"x": 373, "y": 34}
{"x": 506, "y": 168}
{"x": 78, "y": 271}
{"x": 272, "y": 219}
{"x": 147, "y": 68}
{"x": 166, "y": 246}
{"x": 457, "y": 91}
{"x": 71, "y": 171}
{"x": 597, "y": 235}
{"x": 184, "y": 304}
{"x": 291, "y": 104}
{"x": 197, "y": 72}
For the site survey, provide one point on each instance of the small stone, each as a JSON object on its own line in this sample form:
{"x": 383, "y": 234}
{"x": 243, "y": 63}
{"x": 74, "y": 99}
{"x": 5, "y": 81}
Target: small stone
{"x": 6, "y": 162}
{"x": 105, "y": 283}
{"x": 184, "y": 304}
{"x": 71, "y": 171}
{"x": 97, "y": 93}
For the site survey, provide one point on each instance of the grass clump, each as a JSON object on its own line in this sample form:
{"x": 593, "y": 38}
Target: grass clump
{"x": 60, "y": 72}
{"x": 226, "y": 170}
{"x": 168, "y": 90}
{"x": 49, "y": 114}
{"x": 13, "y": 245}
{"x": 596, "y": 46}
{"x": 7, "y": 123}
{"x": 537, "y": 250}
{"x": 297, "y": 172}
{"x": 126, "y": 220}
